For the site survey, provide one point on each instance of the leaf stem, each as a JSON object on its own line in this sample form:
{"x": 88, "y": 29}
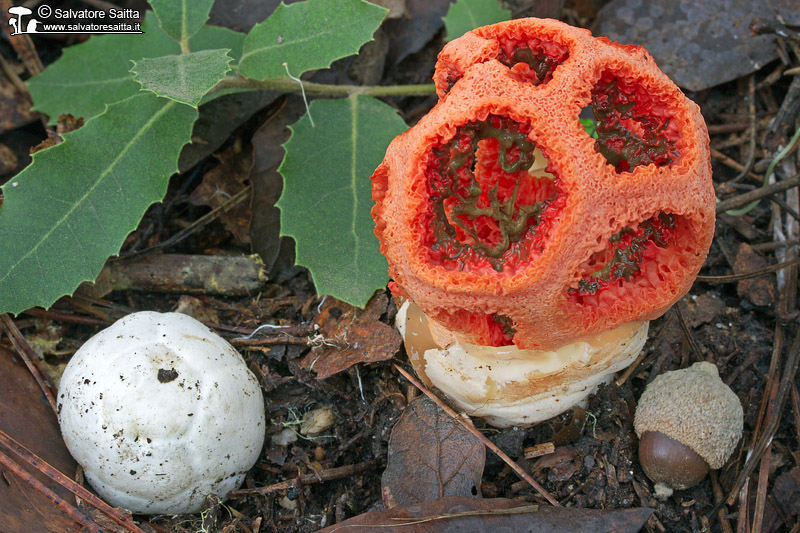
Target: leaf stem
{"x": 323, "y": 89}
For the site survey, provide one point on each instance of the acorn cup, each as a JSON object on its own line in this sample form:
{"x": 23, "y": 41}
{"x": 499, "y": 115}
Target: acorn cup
{"x": 687, "y": 421}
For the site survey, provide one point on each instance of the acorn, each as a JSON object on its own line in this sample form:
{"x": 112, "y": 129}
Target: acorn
{"x": 687, "y": 421}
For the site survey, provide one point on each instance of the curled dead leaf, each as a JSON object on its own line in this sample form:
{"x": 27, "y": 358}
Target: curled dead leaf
{"x": 348, "y": 335}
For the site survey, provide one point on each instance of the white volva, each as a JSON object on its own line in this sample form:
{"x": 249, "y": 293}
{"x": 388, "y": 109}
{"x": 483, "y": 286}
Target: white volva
{"x": 160, "y": 411}
{"x": 508, "y": 386}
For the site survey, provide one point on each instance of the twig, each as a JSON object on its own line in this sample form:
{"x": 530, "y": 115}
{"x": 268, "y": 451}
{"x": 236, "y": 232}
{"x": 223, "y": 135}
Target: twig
{"x": 742, "y": 516}
{"x": 22, "y": 43}
{"x": 730, "y": 127}
{"x": 726, "y": 206}
{"x": 786, "y": 113}
{"x": 718, "y": 497}
{"x": 195, "y": 226}
{"x": 631, "y": 368}
{"x": 269, "y": 341}
{"x": 786, "y": 207}
{"x": 489, "y": 444}
{"x": 544, "y": 448}
{"x": 732, "y": 163}
{"x": 751, "y": 153}
{"x": 790, "y": 369}
{"x": 688, "y": 334}
{"x": 731, "y": 278}
{"x": 297, "y": 331}
{"x": 286, "y": 85}
{"x": 761, "y": 490}
{"x": 328, "y": 474}
{"x": 30, "y": 358}
{"x": 59, "y": 502}
{"x": 13, "y": 78}
{"x": 765, "y": 184}
{"x": 774, "y": 245}
{"x": 642, "y": 355}
{"x": 45, "y": 468}
{"x": 65, "y": 317}
{"x": 768, "y": 401}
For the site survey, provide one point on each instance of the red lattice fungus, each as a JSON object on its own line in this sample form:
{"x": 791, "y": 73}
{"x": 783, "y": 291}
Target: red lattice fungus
{"x": 507, "y": 223}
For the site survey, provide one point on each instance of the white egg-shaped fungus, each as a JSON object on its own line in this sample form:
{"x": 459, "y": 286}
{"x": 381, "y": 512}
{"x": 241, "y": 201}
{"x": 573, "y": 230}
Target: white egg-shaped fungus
{"x": 160, "y": 411}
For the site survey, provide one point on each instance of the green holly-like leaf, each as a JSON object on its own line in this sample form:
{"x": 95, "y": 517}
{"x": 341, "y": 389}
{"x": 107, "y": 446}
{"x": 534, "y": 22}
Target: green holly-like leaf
{"x": 73, "y": 206}
{"x": 327, "y": 194}
{"x": 180, "y": 19}
{"x": 95, "y": 73}
{"x": 185, "y": 78}
{"x": 308, "y": 35}
{"x": 466, "y": 15}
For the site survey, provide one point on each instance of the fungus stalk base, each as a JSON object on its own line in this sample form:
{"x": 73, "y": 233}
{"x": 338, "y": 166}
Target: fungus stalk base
{"x": 512, "y": 387}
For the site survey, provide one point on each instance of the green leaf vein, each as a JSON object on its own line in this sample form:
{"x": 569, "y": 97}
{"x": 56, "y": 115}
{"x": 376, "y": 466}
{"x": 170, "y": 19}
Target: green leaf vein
{"x": 353, "y": 176}
{"x": 79, "y": 203}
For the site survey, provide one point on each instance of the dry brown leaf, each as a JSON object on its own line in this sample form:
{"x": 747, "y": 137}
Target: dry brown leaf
{"x": 268, "y": 183}
{"x": 347, "y": 336}
{"x": 66, "y": 124}
{"x": 27, "y": 418}
{"x": 459, "y": 514}
{"x": 15, "y": 107}
{"x": 704, "y": 309}
{"x": 430, "y": 456}
{"x": 8, "y": 160}
{"x": 218, "y": 119}
{"x": 760, "y": 291}
{"x": 409, "y": 34}
{"x": 698, "y": 44}
{"x": 787, "y": 491}
{"x": 223, "y": 182}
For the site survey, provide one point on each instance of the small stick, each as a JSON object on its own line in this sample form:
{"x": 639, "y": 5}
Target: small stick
{"x": 641, "y": 357}
{"x": 66, "y": 317}
{"x": 268, "y": 341}
{"x": 757, "y": 194}
{"x": 774, "y": 245}
{"x": 790, "y": 369}
{"x": 724, "y": 524}
{"x": 631, "y": 368}
{"x": 489, "y": 444}
{"x": 544, "y": 448}
{"x": 195, "y": 226}
{"x": 22, "y": 43}
{"x": 45, "y": 468}
{"x": 796, "y": 411}
{"x": 732, "y": 278}
{"x": 329, "y": 474}
{"x": 30, "y": 358}
{"x": 12, "y": 76}
{"x": 731, "y": 127}
{"x": 57, "y": 500}
{"x": 751, "y": 153}
{"x": 767, "y": 408}
{"x": 732, "y": 163}
{"x": 688, "y": 334}
{"x": 761, "y": 491}
{"x": 742, "y": 520}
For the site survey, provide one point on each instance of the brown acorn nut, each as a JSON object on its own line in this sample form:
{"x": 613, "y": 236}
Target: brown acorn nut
{"x": 687, "y": 421}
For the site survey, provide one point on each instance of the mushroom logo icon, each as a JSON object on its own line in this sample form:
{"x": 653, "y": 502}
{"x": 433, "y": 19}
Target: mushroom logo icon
{"x": 16, "y": 23}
